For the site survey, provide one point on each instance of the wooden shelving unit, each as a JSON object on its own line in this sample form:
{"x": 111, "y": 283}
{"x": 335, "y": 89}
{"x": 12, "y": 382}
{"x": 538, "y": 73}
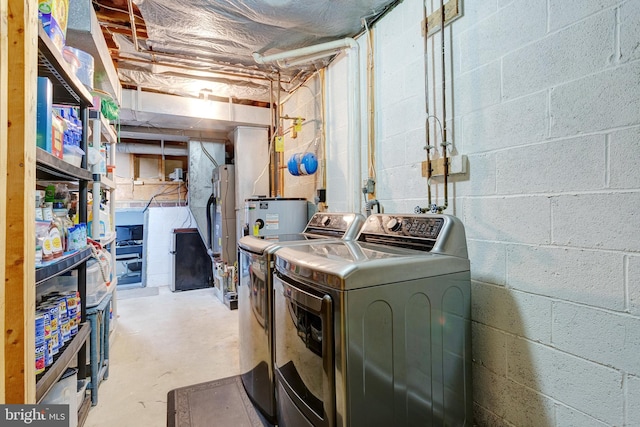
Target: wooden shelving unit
{"x": 67, "y": 89}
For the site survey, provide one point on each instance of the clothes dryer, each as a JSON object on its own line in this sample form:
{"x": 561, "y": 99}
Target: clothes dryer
{"x": 255, "y": 298}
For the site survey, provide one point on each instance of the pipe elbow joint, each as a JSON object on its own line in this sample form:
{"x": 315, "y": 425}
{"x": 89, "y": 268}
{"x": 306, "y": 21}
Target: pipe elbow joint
{"x": 258, "y": 58}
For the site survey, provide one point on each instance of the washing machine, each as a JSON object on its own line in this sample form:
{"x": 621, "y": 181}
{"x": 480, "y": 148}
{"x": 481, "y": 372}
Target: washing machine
{"x": 255, "y": 303}
{"x": 375, "y": 332}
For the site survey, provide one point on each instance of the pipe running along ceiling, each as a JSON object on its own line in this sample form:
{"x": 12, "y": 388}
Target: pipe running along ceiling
{"x": 205, "y": 48}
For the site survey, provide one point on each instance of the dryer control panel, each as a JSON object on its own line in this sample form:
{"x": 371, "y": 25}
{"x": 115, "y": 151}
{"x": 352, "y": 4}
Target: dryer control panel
{"x": 413, "y": 231}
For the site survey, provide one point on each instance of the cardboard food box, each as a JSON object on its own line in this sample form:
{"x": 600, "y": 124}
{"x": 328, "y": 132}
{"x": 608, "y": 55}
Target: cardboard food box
{"x": 54, "y": 14}
{"x": 57, "y": 136}
{"x": 44, "y": 114}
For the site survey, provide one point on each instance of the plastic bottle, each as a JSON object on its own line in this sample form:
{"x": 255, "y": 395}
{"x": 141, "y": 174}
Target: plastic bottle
{"x": 63, "y": 222}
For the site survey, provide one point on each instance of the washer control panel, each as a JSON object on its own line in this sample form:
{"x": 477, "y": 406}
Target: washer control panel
{"x": 403, "y": 226}
{"x": 334, "y": 224}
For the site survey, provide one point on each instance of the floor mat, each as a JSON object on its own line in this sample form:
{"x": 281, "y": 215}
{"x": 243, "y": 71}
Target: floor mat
{"x": 220, "y": 403}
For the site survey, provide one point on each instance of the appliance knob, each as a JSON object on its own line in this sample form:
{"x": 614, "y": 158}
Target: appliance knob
{"x": 325, "y": 220}
{"x": 394, "y": 224}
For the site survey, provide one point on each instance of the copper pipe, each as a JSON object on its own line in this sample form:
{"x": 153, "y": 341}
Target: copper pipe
{"x": 426, "y": 106}
{"x": 272, "y": 170}
{"x": 444, "y": 113}
{"x": 324, "y": 128}
{"x": 279, "y": 155}
{"x": 371, "y": 97}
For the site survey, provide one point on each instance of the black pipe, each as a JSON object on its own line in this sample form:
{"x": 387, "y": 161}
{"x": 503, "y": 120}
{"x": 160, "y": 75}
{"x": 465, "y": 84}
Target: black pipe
{"x": 210, "y": 202}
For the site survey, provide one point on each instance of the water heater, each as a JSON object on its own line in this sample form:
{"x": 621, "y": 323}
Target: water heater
{"x": 268, "y": 217}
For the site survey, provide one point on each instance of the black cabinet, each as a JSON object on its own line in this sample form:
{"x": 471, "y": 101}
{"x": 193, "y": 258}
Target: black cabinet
{"x": 191, "y": 267}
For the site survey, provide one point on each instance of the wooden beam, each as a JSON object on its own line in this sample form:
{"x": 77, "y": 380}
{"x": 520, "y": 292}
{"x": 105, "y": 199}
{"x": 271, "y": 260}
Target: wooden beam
{"x": 434, "y": 20}
{"x": 19, "y": 254}
{"x": 3, "y": 167}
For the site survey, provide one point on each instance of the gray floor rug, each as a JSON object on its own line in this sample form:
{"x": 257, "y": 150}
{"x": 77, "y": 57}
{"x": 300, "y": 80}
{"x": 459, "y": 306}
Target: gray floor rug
{"x": 220, "y": 403}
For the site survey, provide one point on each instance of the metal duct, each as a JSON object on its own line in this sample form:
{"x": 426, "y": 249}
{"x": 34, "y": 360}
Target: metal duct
{"x": 138, "y": 148}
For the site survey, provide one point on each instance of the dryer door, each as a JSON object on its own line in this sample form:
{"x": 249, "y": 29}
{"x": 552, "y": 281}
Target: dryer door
{"x": 254, "y": 315}
{"x": 303, "y": 323}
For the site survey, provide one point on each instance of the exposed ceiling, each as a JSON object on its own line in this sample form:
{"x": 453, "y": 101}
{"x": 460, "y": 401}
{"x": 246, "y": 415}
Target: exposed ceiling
{"x": 204, "y": 48}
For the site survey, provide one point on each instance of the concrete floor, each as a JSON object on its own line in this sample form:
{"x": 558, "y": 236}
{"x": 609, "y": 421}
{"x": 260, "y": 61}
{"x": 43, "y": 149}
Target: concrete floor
{"x": 163, "y": 341}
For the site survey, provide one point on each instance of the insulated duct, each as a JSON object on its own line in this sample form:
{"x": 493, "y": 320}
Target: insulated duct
{"x": 140, "y": 148}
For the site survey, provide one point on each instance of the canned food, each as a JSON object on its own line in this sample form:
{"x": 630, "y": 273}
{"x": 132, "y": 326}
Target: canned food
{"x": 65, "y": 329}
{"x": 48, "y": 352}
{"x": 40, "y": 331}
{"x": 40, "y": 358}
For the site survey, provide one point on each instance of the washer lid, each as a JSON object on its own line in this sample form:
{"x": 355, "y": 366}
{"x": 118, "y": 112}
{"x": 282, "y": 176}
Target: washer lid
{"x": 258, "y": 244}
{"x": 346, "y": 265}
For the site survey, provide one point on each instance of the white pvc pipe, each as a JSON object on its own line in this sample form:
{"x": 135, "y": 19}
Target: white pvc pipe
{"x": 329, "y": 48}
{"x": 354, "y": 149}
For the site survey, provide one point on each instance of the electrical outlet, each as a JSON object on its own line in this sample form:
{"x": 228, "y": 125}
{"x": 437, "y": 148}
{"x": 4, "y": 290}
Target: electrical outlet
{"x": 457, "y": 165}
{"x": 368, "y": 186}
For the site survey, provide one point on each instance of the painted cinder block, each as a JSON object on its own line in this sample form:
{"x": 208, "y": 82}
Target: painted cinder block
{"x": 510, "y": 402}
{"x": 527, "y": 407}
{"x": 574, "y": 52}
{"x": 511, "y": 27}
{"x": 624, "y": 158}
{"x": 557, "y": 166}
{"x": 605, "y": 100}
{"x": 488, "y": 261}
{"x": 391, "y": 89}
{"x": 508, "y": 219}
{"x": 488, "y": 390}
{"x": 477, "y": 89}
{"x": 474, "y": 11}
{"x": 511, "y": 311}
{"x": 587, "y": 276}
{"x": 629, "y": 31}
{"x": 611, "y": 339}
{"x": 508, "y": 124}
{"x": 633, "y": 401}
{"x": 598, "y": 221}
{"x": 401, "y": 183}
{"x": 567, "y": 12}
{"x": 392, "y": 153}
{"x": 484, "y": 417}
{"x": 589, "y": 387}
{"x": 633, "y": 284}
{"x": 489, "y": 347}
{"x": 480, "y": 179}
{"x": 569, "y": 417}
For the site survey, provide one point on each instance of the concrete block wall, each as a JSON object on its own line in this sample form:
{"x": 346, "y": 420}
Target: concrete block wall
{"x": 305, "y": 103}
{"x": 544, "y": 99}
